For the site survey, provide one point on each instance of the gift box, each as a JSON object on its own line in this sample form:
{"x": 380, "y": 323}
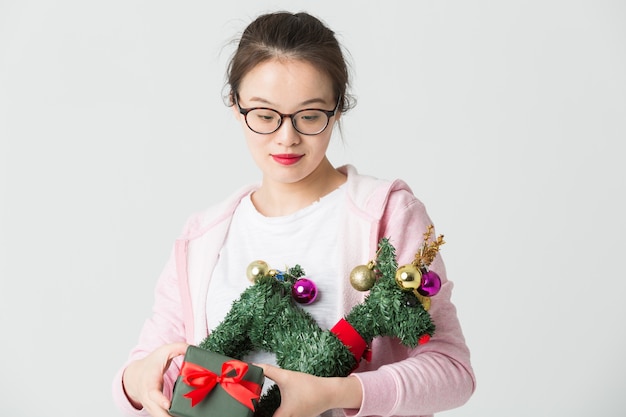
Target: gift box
{"x": 211, "y": 384}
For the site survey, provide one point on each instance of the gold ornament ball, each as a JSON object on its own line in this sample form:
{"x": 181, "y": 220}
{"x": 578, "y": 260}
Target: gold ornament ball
{"x": 257, "y": 269}
{"x": 408, "y": 277}
{"x": 362, "y": 278}
{"x": 423, "y": 299}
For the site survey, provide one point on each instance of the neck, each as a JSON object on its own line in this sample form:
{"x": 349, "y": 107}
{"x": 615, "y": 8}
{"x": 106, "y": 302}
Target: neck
{"x": 274, "y": 199}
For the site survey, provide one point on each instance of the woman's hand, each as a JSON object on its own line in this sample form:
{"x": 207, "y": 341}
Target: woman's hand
{"x": 143, "y": 379}
{"x": 304, "y": 395}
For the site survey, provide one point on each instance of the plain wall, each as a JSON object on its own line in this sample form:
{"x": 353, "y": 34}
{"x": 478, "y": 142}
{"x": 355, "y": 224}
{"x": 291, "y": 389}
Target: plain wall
{"x": 506, "y": 118}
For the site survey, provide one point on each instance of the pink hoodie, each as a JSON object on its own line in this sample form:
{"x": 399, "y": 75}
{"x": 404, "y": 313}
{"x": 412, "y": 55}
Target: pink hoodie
{"x": 433, "y": 377}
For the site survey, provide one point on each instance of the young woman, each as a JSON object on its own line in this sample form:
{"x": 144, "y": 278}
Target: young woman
{"x": 288, "y": 89}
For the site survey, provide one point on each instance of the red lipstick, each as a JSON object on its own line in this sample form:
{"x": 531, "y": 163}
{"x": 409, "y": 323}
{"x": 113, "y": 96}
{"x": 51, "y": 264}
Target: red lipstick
{"x": 287, "y": 158}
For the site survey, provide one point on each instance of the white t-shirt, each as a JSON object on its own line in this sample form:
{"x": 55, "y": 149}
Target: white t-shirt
{"x": 307, "y": 237}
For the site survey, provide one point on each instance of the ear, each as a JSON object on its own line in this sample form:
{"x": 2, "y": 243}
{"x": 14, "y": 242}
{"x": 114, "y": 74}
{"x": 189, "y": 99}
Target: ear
{"x": 234, "y": 107}
{"x": 236, "y": 112}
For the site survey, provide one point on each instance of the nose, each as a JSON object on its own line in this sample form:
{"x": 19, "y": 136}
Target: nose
{"x": 287, "y": 135}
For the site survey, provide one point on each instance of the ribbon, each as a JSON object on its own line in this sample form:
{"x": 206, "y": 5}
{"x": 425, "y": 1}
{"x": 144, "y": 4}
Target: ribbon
{"x": 352, "y": 340}
{"x": 204, "y": 381}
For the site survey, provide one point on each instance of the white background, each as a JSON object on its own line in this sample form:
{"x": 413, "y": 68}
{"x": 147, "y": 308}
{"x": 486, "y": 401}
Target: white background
{"x": 506, "y": 118}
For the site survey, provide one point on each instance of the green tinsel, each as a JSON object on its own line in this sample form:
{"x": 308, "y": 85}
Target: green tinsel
{"x": 266, "y": 318}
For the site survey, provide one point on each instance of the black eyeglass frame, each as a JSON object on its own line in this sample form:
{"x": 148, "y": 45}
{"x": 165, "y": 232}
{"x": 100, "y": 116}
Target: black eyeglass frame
{"x": 245, "y": 111}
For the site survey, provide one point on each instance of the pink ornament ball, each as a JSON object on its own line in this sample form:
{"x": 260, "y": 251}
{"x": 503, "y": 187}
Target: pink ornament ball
{"x": 431, "y": 284}
{"x": 304, "y": 291}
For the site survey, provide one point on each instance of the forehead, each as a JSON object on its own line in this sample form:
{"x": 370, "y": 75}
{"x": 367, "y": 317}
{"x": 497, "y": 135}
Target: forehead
{"x": 286, "y": 81}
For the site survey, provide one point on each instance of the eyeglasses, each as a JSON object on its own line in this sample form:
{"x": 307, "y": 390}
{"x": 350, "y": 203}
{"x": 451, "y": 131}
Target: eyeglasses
{"x": 263, "y": 120}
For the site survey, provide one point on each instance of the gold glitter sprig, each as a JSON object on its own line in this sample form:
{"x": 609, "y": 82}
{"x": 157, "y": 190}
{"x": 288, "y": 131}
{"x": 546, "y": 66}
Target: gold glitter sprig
{"x": 429, "y": 249}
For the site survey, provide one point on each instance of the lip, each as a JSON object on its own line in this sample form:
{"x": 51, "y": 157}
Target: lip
{"x": 287, "y": 158}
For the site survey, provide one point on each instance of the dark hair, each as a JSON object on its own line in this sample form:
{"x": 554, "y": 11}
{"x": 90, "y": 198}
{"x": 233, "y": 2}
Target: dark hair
{"x": 290, "y": 35}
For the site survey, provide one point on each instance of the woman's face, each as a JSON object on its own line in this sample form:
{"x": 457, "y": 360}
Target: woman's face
{"x": 287, "y": 85}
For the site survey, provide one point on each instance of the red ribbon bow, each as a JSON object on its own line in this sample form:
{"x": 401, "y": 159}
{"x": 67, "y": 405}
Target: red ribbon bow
{"x": 204, "y": 381}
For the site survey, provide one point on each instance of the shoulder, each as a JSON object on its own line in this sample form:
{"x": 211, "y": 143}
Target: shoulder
{"x": 374, "y": 196}
{"x": 202, "y": 221}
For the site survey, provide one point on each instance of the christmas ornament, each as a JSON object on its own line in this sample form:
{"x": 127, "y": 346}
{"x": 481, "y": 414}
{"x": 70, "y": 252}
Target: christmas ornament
{"x": 257, "y": 269}
{"x": 304, "y": 291}
{"x": 431, "y": 284}
{"x": 416, "y": 277}
{"x": 363, "y": 277}
{"x": 409, "y": 277}
{"x": 268, "y": 317}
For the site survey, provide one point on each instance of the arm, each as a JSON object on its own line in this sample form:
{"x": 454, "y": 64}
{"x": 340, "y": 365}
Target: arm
{"x": 164, "y": 327}
{"x": 307, "y": 395}
{"x": 433, "y": 377}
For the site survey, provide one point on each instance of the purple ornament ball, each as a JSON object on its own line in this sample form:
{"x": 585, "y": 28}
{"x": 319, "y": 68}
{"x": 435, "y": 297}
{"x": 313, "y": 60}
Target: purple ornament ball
{"x": 304, "y": 291}
{"x": 431, "y": 284}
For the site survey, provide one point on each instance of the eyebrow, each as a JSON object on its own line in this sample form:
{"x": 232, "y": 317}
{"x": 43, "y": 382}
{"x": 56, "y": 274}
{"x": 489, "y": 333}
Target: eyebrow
{"x": 304, "y": 103}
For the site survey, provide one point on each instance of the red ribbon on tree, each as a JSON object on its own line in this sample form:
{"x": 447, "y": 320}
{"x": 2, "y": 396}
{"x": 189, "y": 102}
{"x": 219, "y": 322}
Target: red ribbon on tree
{"x": 204, "y": 381}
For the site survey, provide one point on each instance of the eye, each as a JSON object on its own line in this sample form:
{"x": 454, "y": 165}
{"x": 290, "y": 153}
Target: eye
{"x": 309, "y": 116}
{"x": 410, "y": 300}
{"x": 264, "y": 116}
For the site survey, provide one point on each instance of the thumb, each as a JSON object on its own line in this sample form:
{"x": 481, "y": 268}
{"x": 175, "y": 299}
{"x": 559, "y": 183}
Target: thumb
{"x": 177, "y": 349}
{"x": 270, "y": 371}
{"x": 173, "y": 350}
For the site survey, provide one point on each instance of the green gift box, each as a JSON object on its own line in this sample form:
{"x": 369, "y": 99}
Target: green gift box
{"x": 211, "y": 384}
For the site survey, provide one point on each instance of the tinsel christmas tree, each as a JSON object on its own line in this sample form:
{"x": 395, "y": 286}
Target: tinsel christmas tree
{"x": 266, "y": 317}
